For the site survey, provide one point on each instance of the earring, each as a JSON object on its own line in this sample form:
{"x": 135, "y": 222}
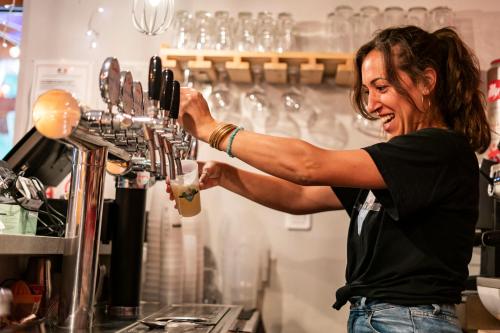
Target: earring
{"x": 428, "y": 103}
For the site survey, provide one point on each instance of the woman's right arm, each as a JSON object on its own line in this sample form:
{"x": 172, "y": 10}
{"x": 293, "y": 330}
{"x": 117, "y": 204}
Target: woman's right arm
{"x": 274, "y": 192}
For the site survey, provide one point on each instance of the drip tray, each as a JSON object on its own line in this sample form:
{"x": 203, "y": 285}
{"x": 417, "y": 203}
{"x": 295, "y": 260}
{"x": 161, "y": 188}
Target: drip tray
{"x": 206, "y": 318}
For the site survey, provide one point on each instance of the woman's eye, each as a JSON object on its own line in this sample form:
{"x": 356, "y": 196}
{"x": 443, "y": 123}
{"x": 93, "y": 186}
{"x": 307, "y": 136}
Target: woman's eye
{"x": 381, "y": 88}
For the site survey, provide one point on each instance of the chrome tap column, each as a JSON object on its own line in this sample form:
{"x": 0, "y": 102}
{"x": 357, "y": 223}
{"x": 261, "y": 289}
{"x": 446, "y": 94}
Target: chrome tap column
{"x": 83, "y": 231}
{"x": 56, "y": 115}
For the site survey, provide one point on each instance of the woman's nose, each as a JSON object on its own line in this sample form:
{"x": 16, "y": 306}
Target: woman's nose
{"x": 373, "y": 103}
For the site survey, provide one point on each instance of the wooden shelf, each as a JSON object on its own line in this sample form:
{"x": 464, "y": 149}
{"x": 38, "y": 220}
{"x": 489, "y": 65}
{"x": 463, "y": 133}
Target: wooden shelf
{"x": 27, "y": 244}
{"x": 314, "y": 66}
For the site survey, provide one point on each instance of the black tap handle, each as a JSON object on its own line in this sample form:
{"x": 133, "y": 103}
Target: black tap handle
{"x": 154, "y": 79}
{"x": 176, "y": 100}
{"x": 166, "y": 89}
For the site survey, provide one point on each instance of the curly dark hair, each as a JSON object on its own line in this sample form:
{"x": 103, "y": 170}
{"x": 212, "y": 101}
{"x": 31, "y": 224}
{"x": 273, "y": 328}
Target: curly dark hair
{"x": 456, "y": 97}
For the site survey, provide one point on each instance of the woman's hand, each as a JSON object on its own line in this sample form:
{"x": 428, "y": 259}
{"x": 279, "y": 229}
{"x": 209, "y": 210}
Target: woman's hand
{"x": 209, "y": 176}
{"x": 194, "y": 115}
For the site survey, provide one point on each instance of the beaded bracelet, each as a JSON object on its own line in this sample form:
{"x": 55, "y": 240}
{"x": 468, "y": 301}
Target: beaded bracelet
{"x": 231, "y": 139}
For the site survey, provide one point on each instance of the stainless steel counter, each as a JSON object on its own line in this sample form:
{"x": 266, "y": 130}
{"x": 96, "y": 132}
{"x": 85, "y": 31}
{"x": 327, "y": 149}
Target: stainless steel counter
{"x": 221, "y": 319}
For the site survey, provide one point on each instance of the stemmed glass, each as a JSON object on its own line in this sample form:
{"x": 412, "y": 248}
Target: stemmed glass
{"x": 326, "y": 131}
{"x": 256, "y": 103}
{"x": 369, "y": 127}
{"x": 220, "y": 99}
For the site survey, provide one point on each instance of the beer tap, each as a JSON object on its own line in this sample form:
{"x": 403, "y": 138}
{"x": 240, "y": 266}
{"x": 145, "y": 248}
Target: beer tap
{"x": 179, "y": 147}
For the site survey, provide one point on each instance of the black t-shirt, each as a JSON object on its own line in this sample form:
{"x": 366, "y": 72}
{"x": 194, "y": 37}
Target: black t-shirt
{"x": 411, "y": 243}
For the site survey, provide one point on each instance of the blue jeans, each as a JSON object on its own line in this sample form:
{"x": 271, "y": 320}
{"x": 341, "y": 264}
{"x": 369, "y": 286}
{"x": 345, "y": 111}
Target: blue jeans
{"x": 371, "y": 316}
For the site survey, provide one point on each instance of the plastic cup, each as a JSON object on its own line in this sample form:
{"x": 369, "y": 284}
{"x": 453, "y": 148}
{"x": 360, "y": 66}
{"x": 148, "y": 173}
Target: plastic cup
{"x": 186, "y": 189}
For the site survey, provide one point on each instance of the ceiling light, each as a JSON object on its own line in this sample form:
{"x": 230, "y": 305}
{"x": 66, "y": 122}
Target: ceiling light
{"x": 15, "y": 51}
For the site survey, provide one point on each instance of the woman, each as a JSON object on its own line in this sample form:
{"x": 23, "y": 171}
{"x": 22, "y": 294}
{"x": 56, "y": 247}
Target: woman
{"x": 413, "y": 200}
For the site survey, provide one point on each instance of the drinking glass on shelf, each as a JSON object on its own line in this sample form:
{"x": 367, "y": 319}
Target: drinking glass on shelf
{"x": 183, "y": 29}
{"x": 393, "y": 17}
{"x": 370, "y": 21}
{"x": 223, "y": 39}
{"x": 284, "y": 36}
{"x": 203, "y": 30}
{"x": 418, "y": 16}
{"x": 244, "y": 34}
{"x": 338, "y": 29}
{"x": 357, "y": 30}
{"x": 265, "y": 32}
{"x": 441, "y": 17}
{"x": 255, "y": 102}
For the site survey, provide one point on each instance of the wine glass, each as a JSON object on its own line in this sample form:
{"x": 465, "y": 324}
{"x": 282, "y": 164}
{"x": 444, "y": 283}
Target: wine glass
{"x": 255, "y": 102}
{"x": 372, "y": 128}
{"x": 220, "y": 99}
{"x": 326, "y": 131}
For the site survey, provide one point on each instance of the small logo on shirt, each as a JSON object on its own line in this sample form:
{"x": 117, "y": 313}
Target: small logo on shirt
{"x": 365, "y": 208}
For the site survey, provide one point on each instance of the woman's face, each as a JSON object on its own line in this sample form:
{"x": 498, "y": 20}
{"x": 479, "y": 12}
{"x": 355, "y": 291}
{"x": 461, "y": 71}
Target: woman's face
{"x": 399, "y": 116}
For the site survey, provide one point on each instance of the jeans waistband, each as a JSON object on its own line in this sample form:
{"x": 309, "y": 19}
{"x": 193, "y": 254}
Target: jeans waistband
{"x": 362, "y": 302}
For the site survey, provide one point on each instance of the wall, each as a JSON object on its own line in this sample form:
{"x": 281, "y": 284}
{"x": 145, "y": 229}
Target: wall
{"x": 306, "y": 267}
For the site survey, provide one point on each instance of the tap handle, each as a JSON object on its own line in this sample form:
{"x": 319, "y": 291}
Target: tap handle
{"x": 176, "y": 100}
{"x": 109, "y": 81}
{"x": 154, "y": 78}
{"x": 138, "y": 98}
{"x": 126, "y": 82}
{"x": 166, "y": 89}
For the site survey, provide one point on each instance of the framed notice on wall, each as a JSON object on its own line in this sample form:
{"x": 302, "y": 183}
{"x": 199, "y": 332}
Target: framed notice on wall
{"x": 71, "y": 76}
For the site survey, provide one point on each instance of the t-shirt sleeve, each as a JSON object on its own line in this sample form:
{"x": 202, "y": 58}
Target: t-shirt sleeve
{"x": 347, "y": 196}
{"x": 415, "y": 168}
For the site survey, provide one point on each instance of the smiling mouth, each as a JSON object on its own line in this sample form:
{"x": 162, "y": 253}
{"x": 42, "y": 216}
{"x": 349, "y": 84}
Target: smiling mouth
{"x": 387, "y": 118}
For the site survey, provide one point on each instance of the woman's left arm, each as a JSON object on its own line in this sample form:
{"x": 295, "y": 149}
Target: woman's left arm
{"x": 288, "y": 158}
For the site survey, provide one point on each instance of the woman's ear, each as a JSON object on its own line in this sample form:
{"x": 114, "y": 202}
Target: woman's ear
{"x": 429, "y": 83}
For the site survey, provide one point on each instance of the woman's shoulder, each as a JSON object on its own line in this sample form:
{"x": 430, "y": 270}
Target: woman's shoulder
{"x": 441, "y": 142}
{"x": 435, "y": 137}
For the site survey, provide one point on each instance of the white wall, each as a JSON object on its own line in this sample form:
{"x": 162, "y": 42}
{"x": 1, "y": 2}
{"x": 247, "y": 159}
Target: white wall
{"x": 307, "y": 267}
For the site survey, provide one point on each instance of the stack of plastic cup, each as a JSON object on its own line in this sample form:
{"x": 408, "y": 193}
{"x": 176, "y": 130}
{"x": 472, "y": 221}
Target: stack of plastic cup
{"x": 172, "y": 258}
{"x": 152, "y": 269}
{"x": 194, "y": 260}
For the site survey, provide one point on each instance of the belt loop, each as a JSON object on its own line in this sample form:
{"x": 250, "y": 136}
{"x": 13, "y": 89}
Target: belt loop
{"x": 437, "y": 309}
{"x": 362, "y": 302}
